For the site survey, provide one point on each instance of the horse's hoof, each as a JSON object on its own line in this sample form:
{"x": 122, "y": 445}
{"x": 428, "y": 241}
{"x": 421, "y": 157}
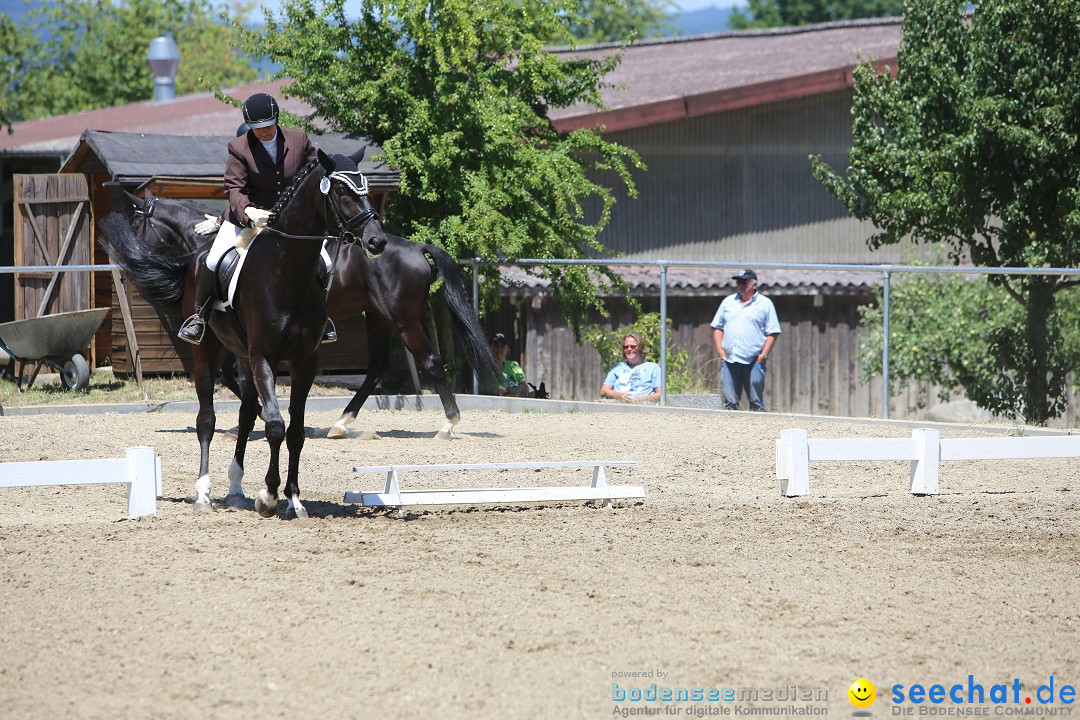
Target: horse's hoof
{"x": 296, "y": 514}
{"x": 445, "y": 435}
{"x": 337, "y": 431}
{"x": 265, "y": 505}
{"x": 231, "y": 434}
{"x": 368, "y": 435}
{"x": 235, "y": 500}
{"x": 202, "y": 505}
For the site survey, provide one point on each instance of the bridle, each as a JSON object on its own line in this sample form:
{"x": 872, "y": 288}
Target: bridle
{"x": 145, "y": 212}
{"x": 350, "y": 227}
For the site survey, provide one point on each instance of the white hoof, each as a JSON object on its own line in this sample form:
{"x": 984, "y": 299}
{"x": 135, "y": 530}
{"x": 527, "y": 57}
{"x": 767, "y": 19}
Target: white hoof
{"x": 236, "y": 480}
{"x": 265, "y": 504}
{"x": 202, "y": 494}
{"x": 296, "y": 509}
{"x": 447, "y": 432}
{"x": 231, "y": 434}
{"x": 341, "y": 427}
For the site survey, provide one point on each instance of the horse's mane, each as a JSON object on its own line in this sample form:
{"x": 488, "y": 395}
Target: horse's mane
{"x": 287, "y": 194}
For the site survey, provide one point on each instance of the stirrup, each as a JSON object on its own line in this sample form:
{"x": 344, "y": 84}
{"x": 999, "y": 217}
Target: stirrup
{"x": 193, "y": 330}
{"x": 329, "y": 334}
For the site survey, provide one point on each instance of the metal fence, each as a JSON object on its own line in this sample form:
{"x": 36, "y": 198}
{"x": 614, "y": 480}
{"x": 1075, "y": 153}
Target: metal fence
{"x": 884, "y": 271}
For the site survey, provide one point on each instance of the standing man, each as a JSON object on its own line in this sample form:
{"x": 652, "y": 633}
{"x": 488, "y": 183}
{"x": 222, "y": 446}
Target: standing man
{"x": 744, "y": 332}
{"x": 261, "y": 163}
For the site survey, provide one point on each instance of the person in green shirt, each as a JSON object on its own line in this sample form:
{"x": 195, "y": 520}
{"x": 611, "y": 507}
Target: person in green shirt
{"x": 512, "y": 383}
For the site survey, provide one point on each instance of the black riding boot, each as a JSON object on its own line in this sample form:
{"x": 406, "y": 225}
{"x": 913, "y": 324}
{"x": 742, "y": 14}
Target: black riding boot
{"x": 194, "y": 327}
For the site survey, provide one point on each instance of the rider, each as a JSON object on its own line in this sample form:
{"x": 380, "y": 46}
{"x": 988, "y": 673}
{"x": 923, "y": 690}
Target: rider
{"x": 261, "y": 163}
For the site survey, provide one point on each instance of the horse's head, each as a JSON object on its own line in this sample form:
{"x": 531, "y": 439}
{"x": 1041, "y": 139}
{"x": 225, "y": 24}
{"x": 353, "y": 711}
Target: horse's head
{"x": 144, "y": 207}
{"x": 346, "y": 190}
{"x": 167, "y": 225}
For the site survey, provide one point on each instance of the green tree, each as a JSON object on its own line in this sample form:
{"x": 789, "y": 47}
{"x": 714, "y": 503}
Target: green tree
{"x": 783, "y": 13}
{"x": 973, "y": 143}
{"x": 597, "y": 21}
{"x": 457, "y": 93}
{"x": 75, "y": 55}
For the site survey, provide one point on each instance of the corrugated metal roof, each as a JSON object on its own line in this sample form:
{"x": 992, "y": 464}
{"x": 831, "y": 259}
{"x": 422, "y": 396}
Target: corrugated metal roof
{"x": 691, "y": 281}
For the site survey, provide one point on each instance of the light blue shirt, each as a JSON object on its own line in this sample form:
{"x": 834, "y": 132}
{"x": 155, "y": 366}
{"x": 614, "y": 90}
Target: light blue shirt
{"x": 745, "y": 326}
{"x": 639, "y": 380}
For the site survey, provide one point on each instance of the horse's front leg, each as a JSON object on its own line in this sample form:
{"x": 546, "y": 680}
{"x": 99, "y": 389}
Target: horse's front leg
{"x": 205, "y": 421}
{"x": 263, "y": 374}
{"x": 302, "y": 375}
{"x": 378, "y": 335}
{"x": 429, "y": 359}
{"x": 249, "y": 406}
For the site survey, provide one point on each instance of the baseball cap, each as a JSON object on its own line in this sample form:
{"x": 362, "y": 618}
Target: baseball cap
{"x": 745, "y": 275}
{"x": 498, "y": 339}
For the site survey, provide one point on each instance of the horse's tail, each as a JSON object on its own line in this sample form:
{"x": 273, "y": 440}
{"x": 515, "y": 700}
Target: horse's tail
{"x": 159, "y": 277}
{"x": 467, "y": 323}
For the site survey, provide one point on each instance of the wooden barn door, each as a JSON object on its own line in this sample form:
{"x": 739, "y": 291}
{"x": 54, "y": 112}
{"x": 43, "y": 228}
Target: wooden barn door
{"x": 52, "y": 227}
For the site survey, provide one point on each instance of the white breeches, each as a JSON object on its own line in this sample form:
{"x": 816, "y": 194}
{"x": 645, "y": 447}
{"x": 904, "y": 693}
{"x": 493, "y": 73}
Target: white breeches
{"x": 230, "y": 236}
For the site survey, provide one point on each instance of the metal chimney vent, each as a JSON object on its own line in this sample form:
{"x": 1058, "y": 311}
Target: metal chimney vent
{"x": 164, "y": 59}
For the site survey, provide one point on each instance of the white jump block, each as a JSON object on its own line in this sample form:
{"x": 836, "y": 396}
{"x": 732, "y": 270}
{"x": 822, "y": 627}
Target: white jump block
{"x": 925, "y": 450}
{"x": 140, "y": 470}
{"x": 393, "y": 496}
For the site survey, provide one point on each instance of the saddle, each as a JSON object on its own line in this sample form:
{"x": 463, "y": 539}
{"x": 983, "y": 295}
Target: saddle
{"x": 228, "y": 271}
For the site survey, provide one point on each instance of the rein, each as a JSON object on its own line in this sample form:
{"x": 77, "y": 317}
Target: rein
{"x": 346, "y": 226}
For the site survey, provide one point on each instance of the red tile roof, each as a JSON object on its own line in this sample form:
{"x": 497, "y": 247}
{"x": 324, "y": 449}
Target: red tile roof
{"x": 657, "y": 81}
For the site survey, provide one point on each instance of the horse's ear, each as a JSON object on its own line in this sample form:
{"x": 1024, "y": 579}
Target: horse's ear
{"x": 357, "y": 156}
{"x": 135, "y": 199}
{"x": 325, "y": 161}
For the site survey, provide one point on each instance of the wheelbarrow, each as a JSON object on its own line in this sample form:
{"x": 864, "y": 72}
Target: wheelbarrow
{"x": 53, "y": 340}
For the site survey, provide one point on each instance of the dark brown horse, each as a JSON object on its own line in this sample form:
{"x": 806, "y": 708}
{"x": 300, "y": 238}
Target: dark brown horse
{"x": 390, "y": 287}
{"x": 278, "y": 313}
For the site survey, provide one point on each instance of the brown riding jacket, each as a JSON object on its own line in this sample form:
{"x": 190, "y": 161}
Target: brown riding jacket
{"x": 252, "y": 179}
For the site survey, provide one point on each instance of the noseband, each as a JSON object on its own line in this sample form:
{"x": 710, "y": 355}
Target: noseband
{"x": 357, "y": 183}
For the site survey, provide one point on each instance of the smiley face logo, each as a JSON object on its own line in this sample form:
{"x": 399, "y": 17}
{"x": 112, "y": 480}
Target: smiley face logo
{"x": 862, "y": 693}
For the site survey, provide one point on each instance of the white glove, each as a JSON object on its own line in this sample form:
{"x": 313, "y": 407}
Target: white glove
{"x": 259, "y": 217}
{"x": 209, "y": 225}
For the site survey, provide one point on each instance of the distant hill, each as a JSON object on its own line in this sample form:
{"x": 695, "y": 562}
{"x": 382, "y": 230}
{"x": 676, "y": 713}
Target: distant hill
{"x": 706, "y": 20}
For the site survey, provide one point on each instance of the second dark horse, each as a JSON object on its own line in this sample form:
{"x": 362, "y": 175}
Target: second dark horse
{"x": 390, "y": 288}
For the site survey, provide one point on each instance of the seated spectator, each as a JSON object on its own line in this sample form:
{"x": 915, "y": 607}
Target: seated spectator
{"x": 634, "y": 379}
{"x": 512, "y": 382}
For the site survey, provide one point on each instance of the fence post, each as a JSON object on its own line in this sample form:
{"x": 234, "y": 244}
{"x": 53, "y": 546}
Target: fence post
{"x": 924, "y": 469}
{"x": 793, "y": 462}
{"x": 476, "y": 309}
{"x": 142, "y": 481}
{"x": 663, "y": 334}
{"x": 885, "y": 344}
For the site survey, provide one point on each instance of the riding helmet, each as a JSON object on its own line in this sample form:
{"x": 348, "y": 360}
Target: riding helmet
{"x": 260, "y": 110}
